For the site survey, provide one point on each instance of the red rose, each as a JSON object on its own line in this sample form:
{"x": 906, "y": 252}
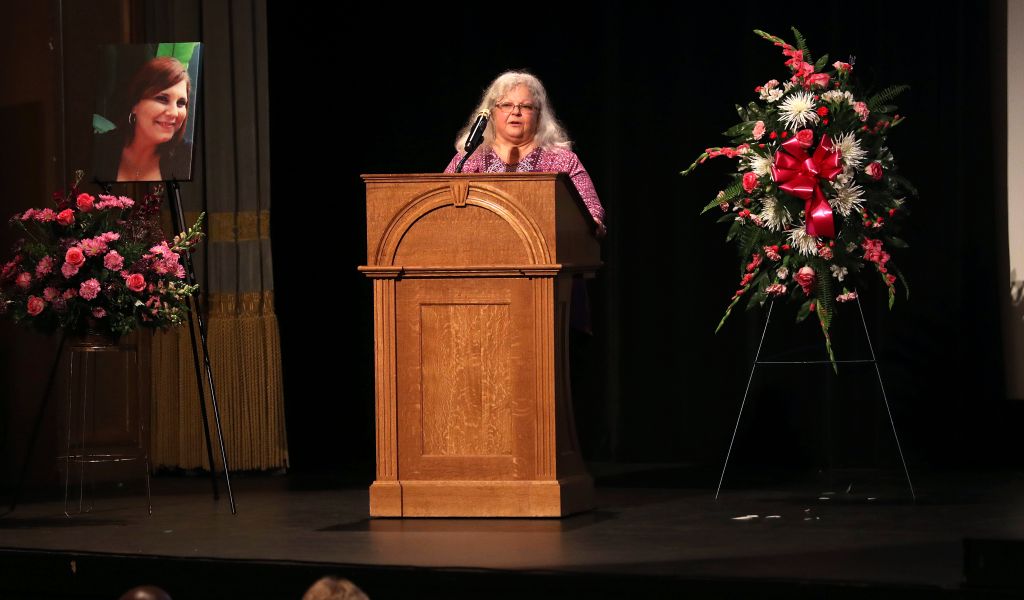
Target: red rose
{"x": 805, "y": 137}
{"x": 85, "y": 202}
{"x": 35, "y": 305}
{"x": 749, "y": 181}
{"x": 822, "y": 111}
{"x": 874, "y": 170}
{"x": 66, "y": 217}
{"x": 74, "y": 256}
{"x": 135, "y": 282}
{"x": 818, "y": 79}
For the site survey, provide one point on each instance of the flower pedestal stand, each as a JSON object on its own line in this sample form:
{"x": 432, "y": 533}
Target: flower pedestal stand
{"x": 103, "y": 426}
{"x": 873, "y": 360}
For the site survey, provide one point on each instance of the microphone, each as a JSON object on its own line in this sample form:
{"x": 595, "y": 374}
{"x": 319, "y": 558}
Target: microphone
{"x": 475, "y": 137}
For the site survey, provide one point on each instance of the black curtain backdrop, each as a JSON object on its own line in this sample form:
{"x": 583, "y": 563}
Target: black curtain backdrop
{"x": 374, "y": 88}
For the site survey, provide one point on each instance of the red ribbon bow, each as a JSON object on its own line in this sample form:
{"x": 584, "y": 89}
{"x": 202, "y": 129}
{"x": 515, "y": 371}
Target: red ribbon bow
{"x": 797, "y": 173}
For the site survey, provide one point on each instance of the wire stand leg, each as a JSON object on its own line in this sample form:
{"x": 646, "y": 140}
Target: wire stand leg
{"x": 885, "y": 399}
{"x": 736, "y": 429}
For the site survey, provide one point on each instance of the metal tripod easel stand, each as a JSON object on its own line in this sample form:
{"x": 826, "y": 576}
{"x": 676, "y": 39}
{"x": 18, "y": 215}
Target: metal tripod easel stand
{"x": 178, "y": 215}
{"x": 873, "y": 360}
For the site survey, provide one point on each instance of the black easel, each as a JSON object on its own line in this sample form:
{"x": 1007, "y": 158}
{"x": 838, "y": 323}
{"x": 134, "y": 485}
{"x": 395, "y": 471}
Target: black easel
{"x": 178, "y": 216}
{"x": 873, "y": 360}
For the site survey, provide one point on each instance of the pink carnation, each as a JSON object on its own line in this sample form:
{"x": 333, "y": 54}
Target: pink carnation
{"x": 862, "y": 110}
{"x": 775, "y": 289}
{"x": 50, "y": 294}
{"x": 842, "y": 67}
{"x": 98, "y": 312}
{"x": 90, "y": 289}
{"x": 113, "y": 261}
{"x": 758, "y": 130}
{"x": 45, "y": 216}
{"x": 68, "y": 270}
{"x": 805, "y": 277}
{"x": 45, "y": 266}
{"x": 847, "y": 296}
{"x": 70, "y": 293}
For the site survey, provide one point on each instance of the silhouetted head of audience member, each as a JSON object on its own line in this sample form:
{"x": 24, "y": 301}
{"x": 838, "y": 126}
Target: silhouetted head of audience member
{"x": 145, "y": 592}
{"x": 334, "y": 588}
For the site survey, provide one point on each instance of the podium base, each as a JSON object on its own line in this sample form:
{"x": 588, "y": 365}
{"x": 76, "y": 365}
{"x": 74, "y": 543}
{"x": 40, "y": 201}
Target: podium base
{"x": 411, "y": 498}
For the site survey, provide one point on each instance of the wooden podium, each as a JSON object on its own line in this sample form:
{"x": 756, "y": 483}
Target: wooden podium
{"x": 472, "y": 279}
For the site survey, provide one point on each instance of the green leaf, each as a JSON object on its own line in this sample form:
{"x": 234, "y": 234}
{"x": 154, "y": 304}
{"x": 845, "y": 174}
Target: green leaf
{"x": 823, "y": 319}
{"x": 805, "y": 310}
{"x": 896, "y": 242}
{"x": 818, "y": 66}
{"x": 703, "y": 156}
{"x": 903, "y": 280}
{"x": 745, "y": 128}
{"x": 885, "y": 96}
{"x": 801, "y": 44}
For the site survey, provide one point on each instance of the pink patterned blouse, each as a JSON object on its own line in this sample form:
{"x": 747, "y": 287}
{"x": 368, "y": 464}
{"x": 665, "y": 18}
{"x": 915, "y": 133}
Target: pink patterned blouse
{"x": 541, "y": 160}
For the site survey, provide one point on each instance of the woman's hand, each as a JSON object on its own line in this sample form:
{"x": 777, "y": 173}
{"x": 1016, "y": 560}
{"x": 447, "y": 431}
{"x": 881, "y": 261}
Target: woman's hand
{"x": 600, "y": 231}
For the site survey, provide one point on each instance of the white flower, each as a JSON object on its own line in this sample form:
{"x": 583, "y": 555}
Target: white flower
{"x": 836, "y": 96}
{"x": 851, "y": 246}
{"x": 805, "y": 244}
{"x": 760, "y": 165}
{"x": 839, "y": 272}
{"x": 849, "y": 147}
{"x": 849, "y": 197}
{"x": 771, "y": 95}
{"x": 782, "y": 273}
{"x": 774, "y": 214}
{"x": 797, "y": 111}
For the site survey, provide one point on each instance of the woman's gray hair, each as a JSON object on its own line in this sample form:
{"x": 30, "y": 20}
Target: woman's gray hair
{"x": 550, "y": 133}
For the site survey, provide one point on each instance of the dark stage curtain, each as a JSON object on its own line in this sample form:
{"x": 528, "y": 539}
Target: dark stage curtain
{"x": 643, "y": 88}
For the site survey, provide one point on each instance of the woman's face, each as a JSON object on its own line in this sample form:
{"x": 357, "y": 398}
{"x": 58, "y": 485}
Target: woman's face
{"x": 518, "y": 126}
{"x": 159, "y": 117}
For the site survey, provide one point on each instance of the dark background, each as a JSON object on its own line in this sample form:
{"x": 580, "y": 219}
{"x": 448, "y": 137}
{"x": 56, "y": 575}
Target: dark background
{"x": 373, "y": 88}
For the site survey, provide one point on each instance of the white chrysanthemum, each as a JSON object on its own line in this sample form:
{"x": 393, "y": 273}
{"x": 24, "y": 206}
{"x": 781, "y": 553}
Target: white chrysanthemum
{"x": 760, "y": 165}
{"x": 839, "y": 272}
{"x": 849, "y": 197}
{"x": 852, "y": 153}
{"x": 797, "y": 111}
{"x": 774, "y": 214}
{"x": 805, "y": 244}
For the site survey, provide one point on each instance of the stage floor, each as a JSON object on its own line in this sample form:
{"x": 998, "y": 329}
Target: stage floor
{"x": 862, "y": 532}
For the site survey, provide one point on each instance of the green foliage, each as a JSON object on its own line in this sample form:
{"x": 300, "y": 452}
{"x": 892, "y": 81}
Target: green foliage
{"x": 801, "y": 44}
{"x": 885, "y": 96}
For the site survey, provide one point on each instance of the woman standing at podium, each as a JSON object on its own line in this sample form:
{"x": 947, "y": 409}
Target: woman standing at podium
{"x": 524, "y": 136}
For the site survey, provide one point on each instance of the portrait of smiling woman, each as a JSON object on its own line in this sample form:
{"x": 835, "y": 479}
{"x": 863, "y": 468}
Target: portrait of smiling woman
{"x": 149, "y": 139}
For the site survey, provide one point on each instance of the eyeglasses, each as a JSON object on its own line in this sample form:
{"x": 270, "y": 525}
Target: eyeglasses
{"x": 508, "y": 107}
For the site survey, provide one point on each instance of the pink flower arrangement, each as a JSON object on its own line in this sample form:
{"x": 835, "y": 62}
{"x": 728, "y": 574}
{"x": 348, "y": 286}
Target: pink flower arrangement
{"x": 117, "y": 270}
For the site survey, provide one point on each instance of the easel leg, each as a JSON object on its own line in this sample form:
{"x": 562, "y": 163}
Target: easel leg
{"x": 174, "y": 191}
{"x": 746, "y": 393}
{"x": 885, "y": 399}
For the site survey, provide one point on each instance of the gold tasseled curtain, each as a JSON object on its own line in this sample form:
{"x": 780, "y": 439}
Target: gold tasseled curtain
{"x": 232, "y": 185}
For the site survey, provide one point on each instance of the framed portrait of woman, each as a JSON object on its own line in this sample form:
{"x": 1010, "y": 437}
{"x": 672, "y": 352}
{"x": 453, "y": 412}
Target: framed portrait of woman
{"x": 146, "y": 111}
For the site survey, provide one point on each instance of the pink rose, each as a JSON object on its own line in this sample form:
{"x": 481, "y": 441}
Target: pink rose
{"x": 874, "y": 170}
{"x": 90, "y": 289}
{"x": 85, "y": 202}
{"x": 24, "y": 280}
{"x": 135, "y": 282}
{"x": 113, "y": 261}
{"x": 35, "y": 305}
{"x": 74, "y": 256}
{"x": 758, "y": 130}
{"x": 805, "y": 277}
{"x": 749, "y": 181}
{"x": 819, "y": 79}
{"x": 66, "y": 217}
{"x": 805, "y": 137}
{"x": 862, "y": 110}
{"x": 50, "y": 294}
